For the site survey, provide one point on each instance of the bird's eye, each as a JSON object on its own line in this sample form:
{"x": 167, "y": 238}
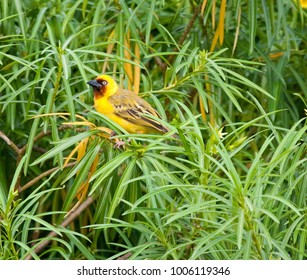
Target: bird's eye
{"x": 104, "y": 83}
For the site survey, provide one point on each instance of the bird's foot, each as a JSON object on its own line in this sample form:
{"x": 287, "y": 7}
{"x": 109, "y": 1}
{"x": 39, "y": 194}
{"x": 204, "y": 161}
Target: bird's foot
{"x": 119, "y": 144}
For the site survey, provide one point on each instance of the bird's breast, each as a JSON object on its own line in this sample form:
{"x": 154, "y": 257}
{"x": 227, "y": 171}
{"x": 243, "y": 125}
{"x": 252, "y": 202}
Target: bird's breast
{"x": 103, "y": 106}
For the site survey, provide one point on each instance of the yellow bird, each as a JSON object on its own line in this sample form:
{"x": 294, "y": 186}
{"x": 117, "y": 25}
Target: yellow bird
{"x": 125, "y": 107}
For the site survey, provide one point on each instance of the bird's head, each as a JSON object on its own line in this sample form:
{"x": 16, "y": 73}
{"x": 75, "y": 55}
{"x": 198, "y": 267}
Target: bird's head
{"x": 103, "y": 85}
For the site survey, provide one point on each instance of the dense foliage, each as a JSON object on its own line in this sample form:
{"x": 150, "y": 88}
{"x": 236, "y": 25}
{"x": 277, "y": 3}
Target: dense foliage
{"x": 228, "y": 77}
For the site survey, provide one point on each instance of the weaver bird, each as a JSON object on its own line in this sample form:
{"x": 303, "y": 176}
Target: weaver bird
{"x": 125, "y": 107}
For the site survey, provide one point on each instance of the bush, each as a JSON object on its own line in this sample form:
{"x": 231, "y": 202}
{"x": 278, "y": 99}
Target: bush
{"x": 232, "y": 87}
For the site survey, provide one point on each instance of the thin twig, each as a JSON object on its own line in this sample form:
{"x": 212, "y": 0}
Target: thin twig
{"x": 10, "y": 143}
{"x": 189, "y": 26}
{"x": 186, "y": 32}
{"x": 65, "y": 223}
{"x": 159, "y": 62}
{"x": 48, "y": 132}
{"x": 181, "y": 40}
{"x": 44, "y": 174}
{"x": 39, "y": 149}
{"x": 20, "y": 152}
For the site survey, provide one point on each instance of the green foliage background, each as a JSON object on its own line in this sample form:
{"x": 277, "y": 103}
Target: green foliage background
{"x": 233, "y": 186}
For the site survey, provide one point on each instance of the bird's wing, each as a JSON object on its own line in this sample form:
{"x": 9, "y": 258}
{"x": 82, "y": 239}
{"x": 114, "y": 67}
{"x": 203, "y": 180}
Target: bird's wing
{"x": 134, "y": 109}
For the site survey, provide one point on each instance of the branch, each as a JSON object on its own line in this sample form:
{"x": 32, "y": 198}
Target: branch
{"x": 44, "y": 174}
{"x": 48, "y": 132}
{"x": 181, "y": 40}
{"x": 20, "y": 152}
{"x": 185, "y": 33}
{"x": 65, "y": 223}
{"x": 10, "y": 143}
{"x": 189, "y": 26}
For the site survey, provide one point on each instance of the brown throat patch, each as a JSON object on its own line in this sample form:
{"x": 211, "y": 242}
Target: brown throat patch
{"x": 98, "y": 93}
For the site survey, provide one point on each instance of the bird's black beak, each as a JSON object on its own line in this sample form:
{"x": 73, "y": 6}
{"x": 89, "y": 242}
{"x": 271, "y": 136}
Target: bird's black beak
{"x": 94, "y": 84}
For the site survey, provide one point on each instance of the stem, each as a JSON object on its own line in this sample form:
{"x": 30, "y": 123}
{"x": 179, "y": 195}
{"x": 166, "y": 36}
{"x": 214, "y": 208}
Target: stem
{"x": 250, "y": 226}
